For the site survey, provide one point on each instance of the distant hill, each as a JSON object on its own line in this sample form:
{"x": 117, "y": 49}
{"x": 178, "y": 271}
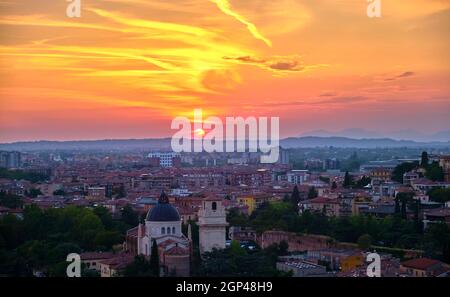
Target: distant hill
{"x": 164, "y": 144}
{"x": 406, "y": 134}
{"x": 314, "y": 141}
{"x": 105, "y": 145}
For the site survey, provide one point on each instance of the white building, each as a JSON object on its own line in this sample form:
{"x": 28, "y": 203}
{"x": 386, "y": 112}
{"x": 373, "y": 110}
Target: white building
{"x": 212, "y": 225}
{"x": 165, "y": 158}
{"x": 297, "y": 177}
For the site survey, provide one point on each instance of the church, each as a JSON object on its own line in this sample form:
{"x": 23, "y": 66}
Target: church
{"x": 163, "y": 224}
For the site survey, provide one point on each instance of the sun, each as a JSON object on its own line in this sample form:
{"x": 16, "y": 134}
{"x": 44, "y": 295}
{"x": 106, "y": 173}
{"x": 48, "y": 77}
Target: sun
{"x": 199, "y": 132}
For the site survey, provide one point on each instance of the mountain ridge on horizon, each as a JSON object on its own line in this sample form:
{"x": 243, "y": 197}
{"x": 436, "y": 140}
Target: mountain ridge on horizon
{"x": 404, "y": 134}
{"x": 164, "y": 143}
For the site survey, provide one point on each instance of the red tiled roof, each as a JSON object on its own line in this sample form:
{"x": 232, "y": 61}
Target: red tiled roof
{"x": 96, "y": 255}
{"x": 176, "y": 250}
{"x": 323, "y": 200}
{"x": 420, "y": 263}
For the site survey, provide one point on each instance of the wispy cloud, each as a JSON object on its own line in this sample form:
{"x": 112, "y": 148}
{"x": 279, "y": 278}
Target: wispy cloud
{"x": 291, "y": 63}
{"x": 225, "y": 7}
{"x": 402, "y": 75}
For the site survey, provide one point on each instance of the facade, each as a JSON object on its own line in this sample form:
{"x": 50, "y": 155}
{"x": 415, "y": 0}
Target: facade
{"x": 10, "y": 160}
{"x": 249, "y": 202}
{"x": 444, "y": 162}
{"x": 297, "y": 177}
{"x": 96, "y": 193}
{"x": 424, "y": 267}
{"x": 164, "y": 159}
{"x": 436, "y": 216}
{"x": 328, "y": 206}
{"x": 92, "y": 259}
{"x": 212, "y": 225}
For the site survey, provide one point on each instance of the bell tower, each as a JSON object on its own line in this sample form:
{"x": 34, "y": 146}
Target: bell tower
{"x": 212, "y": 225}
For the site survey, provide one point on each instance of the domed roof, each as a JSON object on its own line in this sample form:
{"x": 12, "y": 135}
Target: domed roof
{"x": 163, "y": 211}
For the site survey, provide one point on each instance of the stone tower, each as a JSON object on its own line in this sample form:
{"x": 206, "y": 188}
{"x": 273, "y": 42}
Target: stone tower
{"x": 212, "y": 225}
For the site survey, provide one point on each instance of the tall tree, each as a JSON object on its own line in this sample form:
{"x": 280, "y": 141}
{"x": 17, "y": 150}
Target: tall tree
{"x": 129, "y": 216}
{"x": 399, "y": 170}
{"x": 154, "y": 259}
{"x": 295, "y": 197}
{"x": 347, "y": 180}
{"x": 397, "y": 205}
{"x": 312, "y": 193}
{"x": 334, "y": 185}
{"x": 424, "y": 159}
{"x": 435, "y": 172}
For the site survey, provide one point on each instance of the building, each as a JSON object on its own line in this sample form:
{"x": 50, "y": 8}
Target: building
{"x": 283, "y": 157}
{"x": 444, "y": 162}
{"x": 242, "y": 233}
{"x": 165, "y": 159}
{"x": 301, "y": 268}
{"x": 409, "y": 177}
{"x": 10, "y": 160}
{"x": 297, "y": 177}
{"x": 331, "y": 164}
{"x": 328, "y": 206}
{"x": 92, "y": 259}
{"x": 96, "y": 193}
{"x": 436, "y": 216}
{"x": 424, "y": 267}
{"x": 338, "y": 259}
{"x": 249, "y": 202}
{"x": 381, "y": 173}
{"x": 114, "y": 266}
{"x": 163, "y": 226}
{"x": 212, "y": 225}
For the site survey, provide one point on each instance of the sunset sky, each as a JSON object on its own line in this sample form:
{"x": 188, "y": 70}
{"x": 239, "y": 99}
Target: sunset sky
{"x": 126, "y": 68}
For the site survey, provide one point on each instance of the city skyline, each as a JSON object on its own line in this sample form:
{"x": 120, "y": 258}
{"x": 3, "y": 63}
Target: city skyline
{"x": 125, "y": 69}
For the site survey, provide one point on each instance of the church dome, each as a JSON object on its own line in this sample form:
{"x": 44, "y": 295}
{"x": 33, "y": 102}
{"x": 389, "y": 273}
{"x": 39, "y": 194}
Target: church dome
{"x": 163, "y": 211}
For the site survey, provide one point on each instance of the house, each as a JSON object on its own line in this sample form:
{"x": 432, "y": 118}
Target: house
{"x": 242, "y": 233}
{"x": 424, "y": 267}
{"x": 437, "y": 215}
{"x": 381, "y": 173}
{"x": 409, "y": 177}
{"x": 248, "y": 201}
{"x": 328, "y": 206}
{"x": 92, "y": 259}
{"x": 114, "y": 266}
{"x": 338, "y": 259}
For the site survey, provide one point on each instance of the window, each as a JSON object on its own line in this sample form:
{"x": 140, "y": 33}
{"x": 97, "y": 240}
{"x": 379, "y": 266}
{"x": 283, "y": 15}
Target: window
{"x": 214, "y": 206}
{"x": 163, "y": 230}
{"x": 173, "y": 230}
{"x": 168, "y": 230}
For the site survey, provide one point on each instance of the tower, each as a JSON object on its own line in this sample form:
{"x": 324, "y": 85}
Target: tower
{"x": 212, "y": 225}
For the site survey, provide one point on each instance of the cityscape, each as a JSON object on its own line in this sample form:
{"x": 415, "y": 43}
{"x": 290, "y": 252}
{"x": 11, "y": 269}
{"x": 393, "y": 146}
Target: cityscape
{"x": 200, "y": 139}
{"x": 316, "y": 212}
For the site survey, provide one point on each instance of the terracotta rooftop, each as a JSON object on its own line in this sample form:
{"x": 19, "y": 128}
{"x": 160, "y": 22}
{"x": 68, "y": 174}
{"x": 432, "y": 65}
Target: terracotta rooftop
{"x": 420, "y": 263}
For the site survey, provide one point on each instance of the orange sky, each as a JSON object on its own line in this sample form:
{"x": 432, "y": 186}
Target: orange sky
{"x": 127, "y": 67}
